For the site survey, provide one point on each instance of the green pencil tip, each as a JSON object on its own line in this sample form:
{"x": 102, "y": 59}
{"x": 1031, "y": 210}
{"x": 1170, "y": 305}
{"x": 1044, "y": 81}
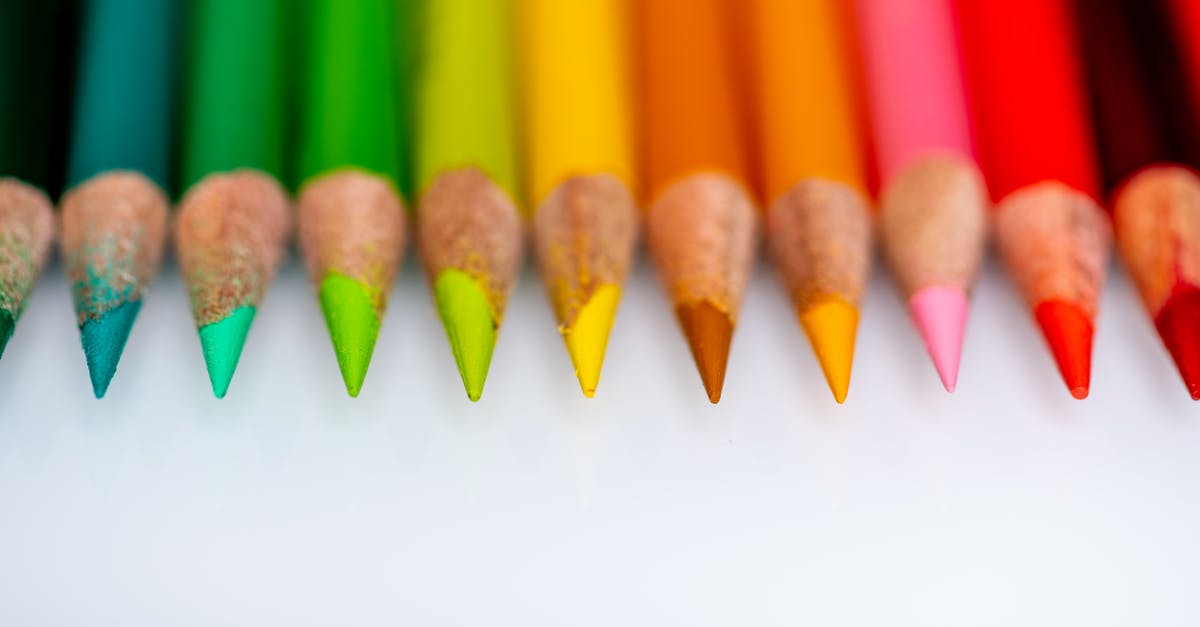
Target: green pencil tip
{"x": 222, "y": 343}
{"x": 7, "y": 323}
{"x": 467, "y": 316}
{"x": 104, "y": 340}
{"x": 353, "y": 322}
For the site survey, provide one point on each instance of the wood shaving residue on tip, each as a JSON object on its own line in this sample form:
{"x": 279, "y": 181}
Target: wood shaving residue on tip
{"x": 584, "y": 234}
{"x": 1157, "y": 222}
{"x": 933, "y": 223}
{"x": 468, "y": 223}
{"x": 702, "y": 232}
{"x": 114, "y": 229}
{"x": 819, "y": 235}
{"x": 1055, "y": 241}
{"x": 352, "y": 222}
{"x": 230, "y": 236}
{"x": 26, "y": 230}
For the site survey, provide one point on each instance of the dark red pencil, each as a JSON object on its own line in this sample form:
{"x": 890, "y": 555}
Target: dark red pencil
{"x": 1033, "y": 123}
{"x": 1149, "y": 133}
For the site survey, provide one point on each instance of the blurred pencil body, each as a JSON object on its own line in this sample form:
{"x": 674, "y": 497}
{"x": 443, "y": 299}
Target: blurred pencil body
{"x": 36, "y": 45}
{"x": 700, "y": 223}
{"x": 1149, "y": 128}
{"x": 468, "y": 225}
{"x": 1036, "y": 148}
{"x": 578, "y": 121}
{"x": 932, "y": 204}
{"x": 818, "y": 219}
{"x": 350, "y": 218}
{"x": 234, "y": 219}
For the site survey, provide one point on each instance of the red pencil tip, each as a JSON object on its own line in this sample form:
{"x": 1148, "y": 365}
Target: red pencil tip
{"x": 709, "y": 331}
{"x": 1178, "y": 324}
{"x": 1068, "y": 330}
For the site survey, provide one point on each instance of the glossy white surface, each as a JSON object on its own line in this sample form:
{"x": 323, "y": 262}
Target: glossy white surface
{"x": 290, "y": 504}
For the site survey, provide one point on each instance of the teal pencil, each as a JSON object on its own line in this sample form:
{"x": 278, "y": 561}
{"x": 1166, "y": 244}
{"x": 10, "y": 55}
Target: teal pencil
{"x": 114, "y": 215}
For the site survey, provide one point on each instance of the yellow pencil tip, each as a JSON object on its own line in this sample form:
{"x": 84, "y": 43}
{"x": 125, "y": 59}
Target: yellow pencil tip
{"x": 587, "y": 337}
{"x": 831, "y": 326}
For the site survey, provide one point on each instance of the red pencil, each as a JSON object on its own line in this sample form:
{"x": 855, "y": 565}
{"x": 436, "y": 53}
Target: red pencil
{"x": 1035, "y": 145}
{"x": 1150, "y": 143}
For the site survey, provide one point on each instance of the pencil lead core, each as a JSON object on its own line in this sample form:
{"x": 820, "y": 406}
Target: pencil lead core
{"x": 709, "y": 332}
{"x": 104, "y": 341}
{"x": 831, "y": 326}
{"x": 221, "y": 343}
{"x": 353, "y": 323}
{"x": 1068, "y": 330}
{"x": 1178, "y": 324}
{"x": 940, "y": 313}
{"x": 470, "y": 327}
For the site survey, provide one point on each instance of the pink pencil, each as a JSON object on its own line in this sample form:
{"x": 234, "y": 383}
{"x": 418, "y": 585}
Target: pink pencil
{"x": 933, "y": 201}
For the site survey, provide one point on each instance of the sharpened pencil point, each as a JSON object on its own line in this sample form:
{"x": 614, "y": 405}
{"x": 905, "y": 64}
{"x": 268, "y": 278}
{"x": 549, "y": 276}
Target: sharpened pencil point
{"x": 7, "y": 324}
{"x": 1178, "y": 324}
{"x": 353, "y": 322}
{"x": 587, "y": 338}
{"x": 1069, "y": 330}
{"x": 222, "y": 343}
{"x": 470, "y": 326}
{"x": 940, "y": 313}
{"x": 104, "y": 340}
{"x": 831, "y": 326}
{"x": 709, "y": 332}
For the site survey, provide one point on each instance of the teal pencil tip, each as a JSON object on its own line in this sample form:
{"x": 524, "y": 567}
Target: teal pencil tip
{"x": 104, "y": 340}
{"x": 222, "y": 343}
{"x": 7, "y": 324}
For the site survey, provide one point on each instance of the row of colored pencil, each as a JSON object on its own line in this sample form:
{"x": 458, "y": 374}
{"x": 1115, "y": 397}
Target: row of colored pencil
{"x": 569, "y": 116}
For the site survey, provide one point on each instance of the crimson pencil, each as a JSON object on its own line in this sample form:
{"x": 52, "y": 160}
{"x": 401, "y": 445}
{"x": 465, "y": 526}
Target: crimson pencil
{"x": 1150, "y": 147}
{"x": 1034, "y": 136}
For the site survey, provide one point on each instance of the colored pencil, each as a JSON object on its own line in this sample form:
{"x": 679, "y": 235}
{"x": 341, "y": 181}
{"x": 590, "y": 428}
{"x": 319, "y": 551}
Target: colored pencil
{"x": 579, "y": 126}
{"x": 35, "y": 42}
{"x": 1035, "y": 142}
{"x": 114, "y": 215}
{"x": 1149, "y": 132}
{"x": 701, "y": 224}
{"x": 468, "y": 226}
{"x": 932, "y": 205}
{"x": 233, "y": 222}
{"x": 818, "y": 219}
{"x": 350, "y": 215}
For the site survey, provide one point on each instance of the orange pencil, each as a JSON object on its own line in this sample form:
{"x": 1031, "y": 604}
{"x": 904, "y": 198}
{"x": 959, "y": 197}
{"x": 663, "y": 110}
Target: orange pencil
{"x": 701, "y": 223}
{"x": 818, "y": 219}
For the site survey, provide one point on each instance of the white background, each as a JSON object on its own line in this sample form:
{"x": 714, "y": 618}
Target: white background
{"x": 288, "y": 503}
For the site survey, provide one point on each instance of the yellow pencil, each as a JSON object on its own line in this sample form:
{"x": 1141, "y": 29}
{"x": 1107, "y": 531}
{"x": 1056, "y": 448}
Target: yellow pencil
{"x": 578, "y": 122}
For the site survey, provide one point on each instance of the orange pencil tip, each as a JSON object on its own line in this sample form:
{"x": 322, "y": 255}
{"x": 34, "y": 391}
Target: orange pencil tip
{"x": 1178, "y": 324}
{"x": 709, "y": 331}
{"x": 1068, "y": 330}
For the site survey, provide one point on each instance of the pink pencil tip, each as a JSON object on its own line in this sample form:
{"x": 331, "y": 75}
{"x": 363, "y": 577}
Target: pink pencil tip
{"x": 940, "y": 313}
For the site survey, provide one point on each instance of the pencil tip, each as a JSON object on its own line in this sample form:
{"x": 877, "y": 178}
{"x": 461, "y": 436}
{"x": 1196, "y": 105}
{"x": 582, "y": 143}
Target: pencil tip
{"x": 709, "y": 332}
{"x": 222, "y": 343}
{"x": 7, "y": 324}
{"x": 587, "y": 337}
{"x": 1178, "y": 324}
{"x": 940, "y": 313}
{"x": 104, "y": 340}
{"x": 831, "y": 326}
{"x": 1068, "y": 330}
{"x": 467, "y": 316}
{"x": 353, "y": 321}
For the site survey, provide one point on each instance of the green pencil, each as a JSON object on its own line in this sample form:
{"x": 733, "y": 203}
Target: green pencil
{"x": 233, "y": 222}
{"x": 351, "y": 219}
{"x": 114, "y": 216}
{"x": 468, "y": 226}
{"x": 36, "y": 41}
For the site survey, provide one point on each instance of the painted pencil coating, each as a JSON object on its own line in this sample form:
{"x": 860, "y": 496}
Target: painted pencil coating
{"x": 818, "y": 220}
{"x": 933, "y": 201}
{"x": 350, "y": 217}
{"x": 26, "y": 230}
{"x": 578, "y": 120}
{"x": 702, "y": 223}
{"x": 468, "y": 224}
